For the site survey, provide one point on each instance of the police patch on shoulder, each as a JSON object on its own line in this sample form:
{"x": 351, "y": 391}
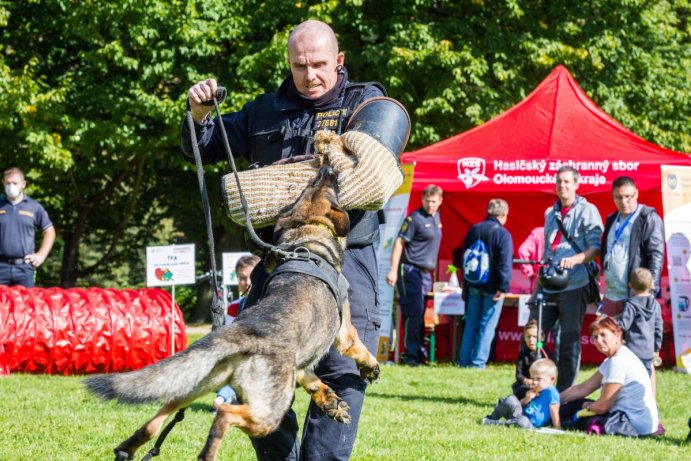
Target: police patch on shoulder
{"x": 405, "y": 225}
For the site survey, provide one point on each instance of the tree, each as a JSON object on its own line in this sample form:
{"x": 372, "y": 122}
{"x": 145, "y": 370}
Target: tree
{"x": 92, "y": 94}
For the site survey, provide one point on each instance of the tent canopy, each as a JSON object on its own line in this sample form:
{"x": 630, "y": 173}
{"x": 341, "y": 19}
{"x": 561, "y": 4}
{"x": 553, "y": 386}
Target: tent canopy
{"x": 515, "y": 156}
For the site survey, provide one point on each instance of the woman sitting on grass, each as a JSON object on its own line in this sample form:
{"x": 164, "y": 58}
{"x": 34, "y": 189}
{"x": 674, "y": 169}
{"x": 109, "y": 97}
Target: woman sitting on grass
{"x": 626, "y": 405}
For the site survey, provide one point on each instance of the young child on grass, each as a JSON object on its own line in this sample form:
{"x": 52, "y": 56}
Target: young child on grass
{"x": 538, "y": 408}
{"x": 527, "y": 355}
{"x": 641, "y": 320}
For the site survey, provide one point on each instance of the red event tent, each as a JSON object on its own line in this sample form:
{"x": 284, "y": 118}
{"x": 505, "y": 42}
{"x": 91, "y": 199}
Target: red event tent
{"x": 515, "y": 155}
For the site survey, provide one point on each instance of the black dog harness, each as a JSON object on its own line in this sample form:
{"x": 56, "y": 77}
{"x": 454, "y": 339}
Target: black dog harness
{"x": 302, "y": 261}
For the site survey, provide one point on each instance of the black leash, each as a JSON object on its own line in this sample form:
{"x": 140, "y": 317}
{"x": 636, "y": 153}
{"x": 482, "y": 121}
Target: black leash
{"x": 215, "y": 101}
{"x": 156, "y": 450}
{"x": 217, "y": 305}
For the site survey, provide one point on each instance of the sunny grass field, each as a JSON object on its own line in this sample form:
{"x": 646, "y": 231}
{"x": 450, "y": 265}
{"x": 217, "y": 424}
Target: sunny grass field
{"x": 430, "y": 413}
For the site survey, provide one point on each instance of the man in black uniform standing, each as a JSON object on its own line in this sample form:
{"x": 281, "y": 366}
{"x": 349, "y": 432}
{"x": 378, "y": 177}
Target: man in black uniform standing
{"x": 418, "y": 242}
{"x": 277, "y": 126}
{"x": 20, "y": 216}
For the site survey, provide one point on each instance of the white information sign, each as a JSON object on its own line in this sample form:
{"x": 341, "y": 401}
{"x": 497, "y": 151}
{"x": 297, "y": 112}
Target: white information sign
{"x": 230, "y": 277}
{"x": 449, "y": 304}
{"x": 170, "y": 265}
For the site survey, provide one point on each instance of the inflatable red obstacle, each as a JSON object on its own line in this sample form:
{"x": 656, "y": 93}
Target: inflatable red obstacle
{"x": 86, "y": 330}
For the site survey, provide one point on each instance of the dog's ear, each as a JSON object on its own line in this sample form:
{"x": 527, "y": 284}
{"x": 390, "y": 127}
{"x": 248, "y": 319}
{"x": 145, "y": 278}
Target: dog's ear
{"x": 339, "y": 217}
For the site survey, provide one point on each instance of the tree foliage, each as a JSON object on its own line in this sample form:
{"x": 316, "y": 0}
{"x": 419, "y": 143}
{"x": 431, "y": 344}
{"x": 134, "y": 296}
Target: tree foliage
{"x": 92, "y": 93}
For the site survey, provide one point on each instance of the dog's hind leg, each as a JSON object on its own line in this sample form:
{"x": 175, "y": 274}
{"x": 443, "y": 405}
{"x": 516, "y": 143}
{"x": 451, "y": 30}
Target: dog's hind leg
{"x": 148, "y": 431}
{"x": 348, "y": 344}
{"x": 324, "y": 397}
{"x": 229, "y": 416}
{"x": 267, "y": 392}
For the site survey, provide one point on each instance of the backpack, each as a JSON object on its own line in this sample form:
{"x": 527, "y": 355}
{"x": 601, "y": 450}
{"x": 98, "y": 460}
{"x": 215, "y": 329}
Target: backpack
{"x": 476, "y": 262}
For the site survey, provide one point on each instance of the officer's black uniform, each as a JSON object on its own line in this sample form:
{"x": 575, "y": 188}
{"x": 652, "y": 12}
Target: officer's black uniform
{"x": 274, "y": 127}
{"x": 18, "y": 224}
{"x": 422, "y": 235}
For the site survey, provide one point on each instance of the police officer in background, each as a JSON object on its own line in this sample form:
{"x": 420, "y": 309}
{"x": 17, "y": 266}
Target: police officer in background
{"x": 279, "y": 126}
{"x": 418, "y": 243}
{"x": 20, "y": 216}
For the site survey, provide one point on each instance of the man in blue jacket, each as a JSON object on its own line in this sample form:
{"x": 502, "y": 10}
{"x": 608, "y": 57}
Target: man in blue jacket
{"x": 484, "y": 301}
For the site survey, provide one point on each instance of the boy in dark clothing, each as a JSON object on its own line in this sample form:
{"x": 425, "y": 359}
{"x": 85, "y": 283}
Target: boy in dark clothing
{"x": 641, "y": 320}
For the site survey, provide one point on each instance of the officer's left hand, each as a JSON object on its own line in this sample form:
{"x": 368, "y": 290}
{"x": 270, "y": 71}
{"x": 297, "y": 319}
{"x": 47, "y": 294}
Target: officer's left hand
{"x": 34, "y": 259}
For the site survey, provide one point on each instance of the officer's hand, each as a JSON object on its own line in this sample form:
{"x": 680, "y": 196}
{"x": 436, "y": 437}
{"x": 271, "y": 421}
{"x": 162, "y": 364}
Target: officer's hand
{"x": 34, "y": 259}
{"x": 391, "y": 278}
{"x": 202, "y": 91}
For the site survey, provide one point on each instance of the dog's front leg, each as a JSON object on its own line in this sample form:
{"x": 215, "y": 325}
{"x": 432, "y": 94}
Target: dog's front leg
{"x": 348, "y": 344}
{"x": 324, "y": 397}
{"x": 148, "y": 431}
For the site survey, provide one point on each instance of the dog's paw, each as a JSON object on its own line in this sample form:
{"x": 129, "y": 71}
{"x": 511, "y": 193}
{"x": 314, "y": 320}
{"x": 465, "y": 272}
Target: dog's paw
{"x": 327, "y": 142}
{"x": 335, "y": 407}
{"x": 122, "y": 455}
{"x": 370, "y": 373}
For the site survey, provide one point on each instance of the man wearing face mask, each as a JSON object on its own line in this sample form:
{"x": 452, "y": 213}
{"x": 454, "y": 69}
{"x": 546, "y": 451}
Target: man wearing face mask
{"x": 20, "y": 216}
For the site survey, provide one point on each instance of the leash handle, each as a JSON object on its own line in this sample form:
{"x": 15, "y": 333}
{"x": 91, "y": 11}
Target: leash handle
{"x": 220, "y": 96}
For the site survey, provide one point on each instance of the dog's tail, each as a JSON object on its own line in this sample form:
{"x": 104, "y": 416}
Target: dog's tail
{"x": 179, "y": 377}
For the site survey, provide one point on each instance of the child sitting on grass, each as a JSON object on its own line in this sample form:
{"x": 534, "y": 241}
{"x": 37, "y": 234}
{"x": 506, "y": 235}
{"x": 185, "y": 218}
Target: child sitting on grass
{"x": 527, "y": 355}
{"x": 538, "y": 408}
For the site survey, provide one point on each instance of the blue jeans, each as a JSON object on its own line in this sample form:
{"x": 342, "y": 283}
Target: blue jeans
{"x": 17, "y": 274}
{"x": 481, "y": 319}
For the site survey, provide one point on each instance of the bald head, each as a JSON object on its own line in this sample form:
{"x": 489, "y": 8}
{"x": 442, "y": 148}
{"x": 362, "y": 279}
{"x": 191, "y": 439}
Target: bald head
{"x": 314, "y": 58}
{"x": 314, "y": 31}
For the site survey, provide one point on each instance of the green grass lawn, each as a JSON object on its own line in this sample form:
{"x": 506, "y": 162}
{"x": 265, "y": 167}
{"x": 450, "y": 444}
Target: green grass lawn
{"x": 430, "y": 413}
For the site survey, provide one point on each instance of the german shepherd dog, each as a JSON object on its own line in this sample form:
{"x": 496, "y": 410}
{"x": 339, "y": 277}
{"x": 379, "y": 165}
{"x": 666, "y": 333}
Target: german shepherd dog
{"x": 270, "y": 345}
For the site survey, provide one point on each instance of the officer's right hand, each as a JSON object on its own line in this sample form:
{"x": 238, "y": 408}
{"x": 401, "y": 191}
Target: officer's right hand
{"x": 391, "y": 278}
{"x": 202, "y": 91}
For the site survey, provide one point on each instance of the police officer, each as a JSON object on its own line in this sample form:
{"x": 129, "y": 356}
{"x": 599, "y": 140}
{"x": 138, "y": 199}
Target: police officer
{"x": 20, "y": 216}
{"x": 275, "y": 126}
{"x": 418, "y": 242}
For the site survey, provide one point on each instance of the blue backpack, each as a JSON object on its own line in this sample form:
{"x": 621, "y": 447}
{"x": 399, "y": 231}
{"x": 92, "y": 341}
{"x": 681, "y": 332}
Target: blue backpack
{"x": 476, "y": 262}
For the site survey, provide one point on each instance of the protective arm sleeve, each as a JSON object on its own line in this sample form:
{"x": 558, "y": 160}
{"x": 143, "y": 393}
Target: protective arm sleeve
{"x": 368, "y": 175}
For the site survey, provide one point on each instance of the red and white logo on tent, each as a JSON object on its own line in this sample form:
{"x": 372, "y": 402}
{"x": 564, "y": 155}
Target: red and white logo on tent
{"x": 471, "y": 171}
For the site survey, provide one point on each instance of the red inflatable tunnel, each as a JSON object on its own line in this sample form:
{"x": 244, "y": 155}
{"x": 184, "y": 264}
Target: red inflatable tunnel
{"x": 92, "y": 330}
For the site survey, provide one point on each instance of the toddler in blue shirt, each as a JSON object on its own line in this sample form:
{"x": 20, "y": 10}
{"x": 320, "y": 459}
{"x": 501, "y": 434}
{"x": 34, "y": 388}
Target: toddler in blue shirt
{"x": 538, "y": 408}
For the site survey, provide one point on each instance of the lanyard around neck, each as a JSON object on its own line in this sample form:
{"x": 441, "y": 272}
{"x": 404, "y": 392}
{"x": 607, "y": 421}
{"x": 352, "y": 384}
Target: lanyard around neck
{"x": 619, "y": 229}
